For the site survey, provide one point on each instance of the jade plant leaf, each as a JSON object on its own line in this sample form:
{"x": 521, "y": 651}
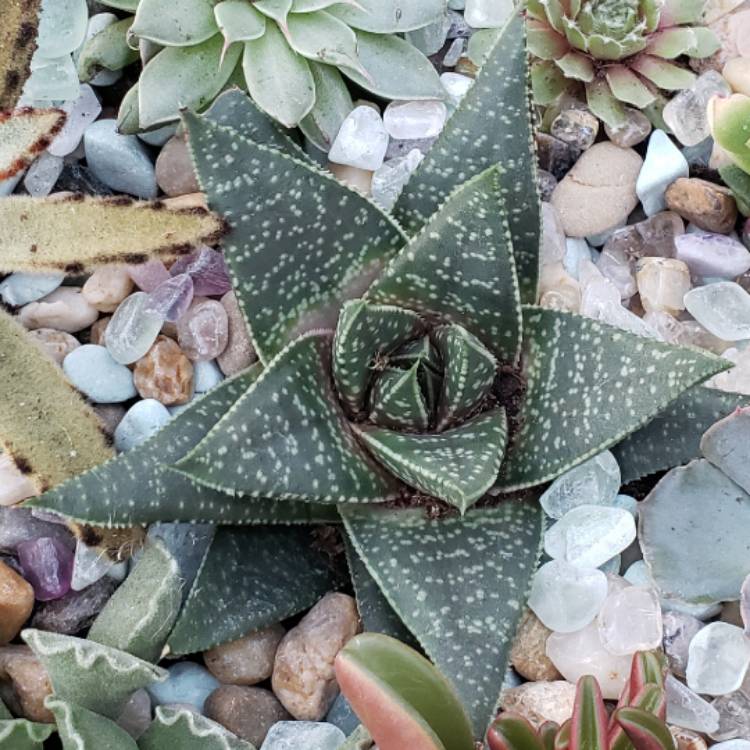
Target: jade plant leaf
{"x": 400, "y": 697}
{"x": 589, "y": 385}
{"x": 328, "y": 241}
{"x": 79, "y": 668}
{"x": 107, "y": 50}
{"x": 287, "y": 438}
{"x": 250, "y": 578}
{"x": 492, "y": 126}
{"x": 17, "y": 44}
{"x": 489, "y": 555}
{"x": 389, "y": 16}
{"x": 738, "y": 181}
{"x": 48, "y": 430}
{"x": 139, "y": 615}
{"x": 81, "y": 729}
{"x": 24, "y": 134}
{"x": 20, "y": 734}
{"x": 76, "y": 234}
{"x": 182, "y": 729}
{"x": 460, "y": 266}
{"x": 180, "y": 22}
{"x": 333, "y": 103}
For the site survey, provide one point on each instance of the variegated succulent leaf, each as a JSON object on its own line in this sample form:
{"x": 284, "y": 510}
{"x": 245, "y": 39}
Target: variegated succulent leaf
{"x": 18, "y": 33}
{"x": 187, "y": 730}
{"x": 82, "y": 729}
{"x": 24, "y": 134}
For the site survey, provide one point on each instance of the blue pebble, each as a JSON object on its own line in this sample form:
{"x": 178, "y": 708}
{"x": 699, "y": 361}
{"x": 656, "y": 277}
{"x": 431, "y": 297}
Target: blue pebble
{"x": 206, "y": 375}
{"x": 342, "y": 715}
{"x": 188, "y": 683}
{"x": 91, "y": 369}
{"x": 141, "y": 421}
{"x": 21, "y": 288}
{"x": 663, "y": 165}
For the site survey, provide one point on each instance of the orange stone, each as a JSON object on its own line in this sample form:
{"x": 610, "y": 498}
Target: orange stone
{"x": 16, "y": 603}
{"x": 164, "y": 373}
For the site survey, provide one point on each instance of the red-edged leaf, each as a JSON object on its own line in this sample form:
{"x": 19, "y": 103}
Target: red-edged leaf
{"x": 562, "y": 738}
{"x": 652, "y": 699}
{"x": 588, "y": 729}
{"x": 513, "y": 732}
{"x": 647, "y": 668}
{"x": 547, "y": 733}
{"x": 646, "y": 731}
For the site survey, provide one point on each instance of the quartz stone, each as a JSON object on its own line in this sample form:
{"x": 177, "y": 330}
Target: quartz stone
{"x": 91, "y": 369}
{"x": 389, "y": 179}
{"x": 736, "y": 380}
{"x": 662, "y": 284}
{"x": 456, "y": 87}
{"x": 187, "y": 683}
{"x": 653, "y": 237}
{"x": 723, "y": 308}
{"x": 133, "y": 329}
{"x": 89, "y": 565}
{"x": 247, "y": 660}
{"x": 203, "y": 331}
{"x": 353, "y": 177}
{"x": 617, "y": 266}
{"x": 663, "y": 165}
{"x": 745, "y": 605}
{"x": 712, "y": 255}
{"x": 141, "y": 421}
{"x": 679, "y": 630}
{"x": 41, "y": 176}
{"x": 80, "y": 113}
{"x": 555, "y": 156}
{"x": 733, "y": 745}
{"x": 62, "y": 26}
{"x": 16, "y": 603}
{"x": 76, "y": 610}
{"x": 719, "y": 656}
{"x": 14, "y": 485}
{"x": 686, "y": 739}
{"x": 734, "y": 715}
{"x": 52, "y": 79}
{"x": 362, "y": 140}
{"x": 633, "y": 130}
{"x": 417, "y": 119}
{"x": 107, "y": 287}
{"x": 311, "y": 735}
{"x": 557, "y": 289}
{"x": 18, "y": 525}
{"x": 454, "y": 52}
{"x": 576, "y": 126}
{"x": 206, "y": 375}
{"x": 687, "y": 709}
{"x": 172, "y": 297}
{"x": 147, "y": 276}
{"x": 208, "y": 270}
{"x": 566, "y": 597}
{"x": 554, "y": 244}
{"x": 488, "y": 14}
{"x": 65, "y": 309}
{"x": 47, "y": 565}
{"x": 630, "y": 620}
{"x": 538, "y": 702}
{"x": 22, "y": 288}
{"x": 576, "y": 249}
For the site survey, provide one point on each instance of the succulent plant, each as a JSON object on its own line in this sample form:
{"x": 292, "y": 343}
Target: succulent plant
{"x": 729, "y": 118}
{"x": 622, "y": 51}
{"x": 288, "y": 54}
{"x": 18, "y": 34}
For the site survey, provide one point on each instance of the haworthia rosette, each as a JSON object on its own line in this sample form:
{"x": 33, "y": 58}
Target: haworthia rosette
{"x": 81, "y": 729}
{"x": 24, "y": 135}
{"x": 458, "y": 583}
{"x": 398, "y": 402}
{"x": 183, "y": 729}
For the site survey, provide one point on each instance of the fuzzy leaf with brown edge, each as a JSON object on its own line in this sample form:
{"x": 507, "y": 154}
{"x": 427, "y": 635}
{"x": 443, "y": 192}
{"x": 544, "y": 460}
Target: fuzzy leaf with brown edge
{"x": 24, "y": 134}
{"x": 77, "y": 234}
{"x": 17, "y": 44}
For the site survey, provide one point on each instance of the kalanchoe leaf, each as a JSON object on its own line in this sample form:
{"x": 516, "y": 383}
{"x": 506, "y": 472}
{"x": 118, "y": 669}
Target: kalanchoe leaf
{"x": 20, "y": 734}
{"x": 333, "y": 237}
{"x": 90, "y": 675}
{"x": 488, "y": 549}
{"x": 397, "y": 400}
{"x": 513, "y": 732}
{"x": 140, "y": 614}
{"x": 588, "y": 386}
{"x": 81, "y": 729}
{"x": 177, "y": 23}
{"x": 183, "y": 729}
{"x": 250, "y": 578}
{"x": 461, "y": 268}
{"x": 400, "y": 697}
{"x": 478, "y": 136}
{"x": 287, "y": 438}
{"x": 17, "y": 44}
{"x": 457, "y": 465}
{"x": 107, "y": 50}
{"x": 588, "y": 728}
{"x": 646, "y": 731}
{"x": 24, "y": 134}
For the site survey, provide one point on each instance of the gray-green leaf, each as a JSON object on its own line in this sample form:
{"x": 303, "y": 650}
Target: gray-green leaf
{"x": 333, "y": 103}
{"x": 176, "y": 23}
{"x": 81, "y": 729}
{"x": 321, "y": 37}
{"x": 389, "y": 16}
{"x": 107, "y": 50}
{"x": 238, "y": 21}
{"x": 183, "y": 729}
{"x": 20, "y": 734}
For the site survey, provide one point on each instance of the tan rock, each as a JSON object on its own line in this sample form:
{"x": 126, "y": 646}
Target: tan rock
{"x": 303, "y": 677}
{"x": 709, "y": 206}
{"x": 239, "y": 352}
{"x": 27, "y": 683}
{"x": 541, "y": 701}
{"x": 685, "y": 739}
{"x": 174, "y": 168}
{"x": 107, "y": 287}
{"x": 598, "y": 194}
{"x": 16, "y": 603}
{"x": 57, "y": 344}
{"x": 357, "y": 179}
{"x": 164, "y": 373}
{"x": 662, "y": 284}
{"x": 99, "y": 331}
{"x": 65, "y": 309}
{"x": 246, "y": 661}
{"x": 528, "y": 655}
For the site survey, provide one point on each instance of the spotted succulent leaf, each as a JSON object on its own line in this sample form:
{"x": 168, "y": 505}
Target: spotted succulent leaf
{"x": 287, "y": 438}
{"x": 81, "y": 729}
{"x": 184, "y": 729}
{"x": 250, "y": 578}
{"x": 490, "y": 555}
{"x": 17, "y": 44}
{"x": 457, "y": 465}
{"x": 588, "y": 386}
{"x": 492, "y": 126}
{"x": 79, "y": 668}
{"x": 460, "y": 267}
{"x": 24, "y": 134}
{"x": 333, "y": 238}
{"x": 20, "y": 734}
{"x": 139, "y": 615}
{"x": 398, "y": 401}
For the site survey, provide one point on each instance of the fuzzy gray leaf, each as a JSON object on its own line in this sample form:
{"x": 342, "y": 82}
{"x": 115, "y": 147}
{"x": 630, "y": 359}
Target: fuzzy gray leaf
{"x": 183, "y": 729}
{"x": 81, "y": 729}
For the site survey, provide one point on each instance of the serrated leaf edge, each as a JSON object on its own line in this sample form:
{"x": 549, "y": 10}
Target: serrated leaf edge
{"x": 170, "y": 716}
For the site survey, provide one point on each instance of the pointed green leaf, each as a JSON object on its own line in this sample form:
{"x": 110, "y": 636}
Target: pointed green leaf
{"x": 491, "y": 126}
{"x": 397, "y": 400}
{"x": 327, "y": 240}
{"x": 20, "y": 734}
{"x": 179, "y": 77}
{"x": 662, "y": 73}
{"x": 107, "y": 50}
{"x": 24, "y": 134}
{"x": 489, "y": 556}
{"x": 250, "y": 578}
{"x": 461, "y": 267}
{"x": 284, "y": 89}
{"x": 576, "y": 66}
{"x": 646, "y": 731}
{"x": 81, "y": 729}
{"x": 469, "y": 371}
{"x": 178, "y": 23}
{"x": 183, "y": 729}
{"x": 390, "y": 16}
{"x": 588, "y": 726}
{"x": 333, "y": 103}
{"x": 604, "y": 104}
{"x": 276, "y": 9}
{"x": 364, "y": 334}
{"x": 457, "y": 465}
{"x": 588, "y": 386}
{"x": 738, "y": 181}
{"x": 321, "y": 37}
{"x": 513, "y": 732}
{"x": 140, "y": 614}
{"x": 394, "y": 69}
{"x": 78, "y": 669}
{"x": 628, "y": 87}
{"x": 238, "y": 21}
{"x": 548, "y": 82}
{"x": 673, "y": 436}
{"x": 287, "y": 438}
{"x": 400, "y": 697}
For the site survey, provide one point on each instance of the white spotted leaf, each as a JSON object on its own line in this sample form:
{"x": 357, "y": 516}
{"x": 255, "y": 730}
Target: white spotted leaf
{"x": 183, "y": 729}
{"x": 398, "y": 401}
{"x": 82, "y": 729}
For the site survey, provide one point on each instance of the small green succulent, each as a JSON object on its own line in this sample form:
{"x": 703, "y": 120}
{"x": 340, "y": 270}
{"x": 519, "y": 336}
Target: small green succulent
{"x": 620, "y": 50}
{"x": 729, "y": 118}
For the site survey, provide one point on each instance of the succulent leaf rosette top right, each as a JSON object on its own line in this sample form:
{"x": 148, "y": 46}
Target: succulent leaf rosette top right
{"x": 622, "y": 51}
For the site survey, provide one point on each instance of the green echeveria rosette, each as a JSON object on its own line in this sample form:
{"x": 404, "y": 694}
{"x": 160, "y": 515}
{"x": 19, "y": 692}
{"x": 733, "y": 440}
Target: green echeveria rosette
{"x": 621, "y": 51}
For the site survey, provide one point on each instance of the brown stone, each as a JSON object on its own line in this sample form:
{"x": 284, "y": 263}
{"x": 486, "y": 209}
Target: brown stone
{"x": 708, "y": 206}
{"x": 99, "y": 330}
{"x": 107, "y": 287}
{"x": 56, "y": 344}
{"x": 538, "y": 702}
{"x": 303, "y": 677}
{"x": 110, "y": 415}
{"x": 164, "y": 373}
{"x": 26, "y": 683}
{"x": 174, "y": 168}
{"x": 528, "y": 655}
{"x": 246, "y": 661}
{"x": 685, "y": 739}
{"x": 16, "y": 603}
{"x": 239, "y": 352}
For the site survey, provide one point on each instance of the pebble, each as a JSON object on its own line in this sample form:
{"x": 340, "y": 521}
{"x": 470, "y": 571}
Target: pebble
{"x": 723, "y": 308}
{"x": 107, "y": 287}
{"x": 293, "y": 735}
{"x": 539, "y": 702}
{"x": 98, "y": 332}
{"x": 188, "y": 683}
{"x": 389, "y": 179}
{"x": 65, "y": 309}
{"x": 685, "y": 739}
{"x": 29, "y": 683}
{"x": 147, "y": 276}
{"x": 528, "y": 655}
{"x": 737, "y": 74}
{"x": 121, "y": 162}
{"x": 174, "y": 168}
{"x": 56, "y": 344}
{"x": 47, "y": 564}
{"x": 14, "y": 486}
{"x": 679, "y": 630}
{"x": 247, "y": 660}
{"x": 687, "y": 709}
{"x": 577, "y": 127}
{"x": 171, "y": 299}
{"x": 362, "y": 140}
{"x": 208, "y": 270}
{"x": 719, "y": 656}
{"x": 248, "y": 712}
{"x": 662, "y": 284}
{"x": 76, "y": 610}
{"x": 206, "y": 375}
{"x": 734, "y": 715}
{"x": 164, "y": 373}
{"x": 41, "y": 176}
{"x": 456, "y": 86}
{"x": 634, "y": 130}
{"x": 617, "y": 266}
{"x": 663, "y": 165}
{"x": 18, "y": 525}
{"x": 712, "y": 255}
{"x": 414, "y": 120}
{"x": 203, "y": 331}
{"x": 653, "y": 237}
{"x": 133, "y": 329}
{"x": 355, "y": 178}
{"x": 89, "y": 565}
{"x": 555, "y": 156}
{"x": 733, "y": 745}
{"x": 91, "y": 369}
{"x": 21, "y": 288}
{"x": 598, "y": 194}
{"x": 303, "y": 677}
{"x": 565, "y": 597}
{"x": 546, "y": 183}
{"x": 135, "y": 717}
{"x": 631, "y": 620}
{"x": 707, "y": 205}
{"x": 16, "y": 603}
{"x": 342, "y": 715}
{"x": 141, "y": 421}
